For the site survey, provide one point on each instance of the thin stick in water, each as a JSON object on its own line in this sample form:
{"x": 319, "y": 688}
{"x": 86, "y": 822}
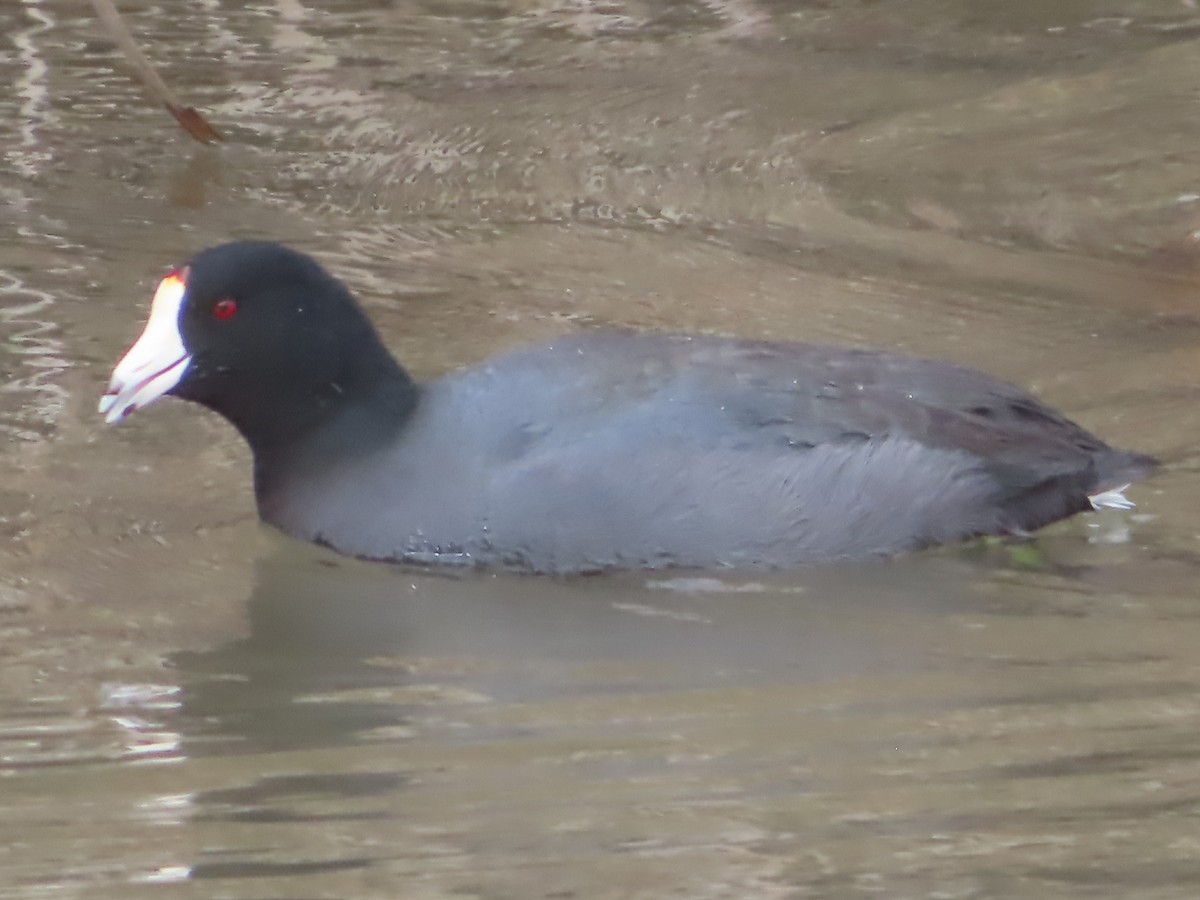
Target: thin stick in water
{"x": 193, "y": 123}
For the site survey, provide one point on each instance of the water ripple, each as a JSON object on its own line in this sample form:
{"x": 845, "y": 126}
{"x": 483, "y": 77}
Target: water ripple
{"x": 32, "y": 360}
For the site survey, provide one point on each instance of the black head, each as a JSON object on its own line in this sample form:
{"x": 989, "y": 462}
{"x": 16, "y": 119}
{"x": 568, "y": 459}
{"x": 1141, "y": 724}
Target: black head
{"x": 263, "y": 335}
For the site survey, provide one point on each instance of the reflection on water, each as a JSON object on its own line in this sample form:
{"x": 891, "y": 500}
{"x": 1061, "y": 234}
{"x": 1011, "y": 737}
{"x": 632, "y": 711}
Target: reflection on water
{"x": 915, "y": 725}
{"x": 190, "y": 703}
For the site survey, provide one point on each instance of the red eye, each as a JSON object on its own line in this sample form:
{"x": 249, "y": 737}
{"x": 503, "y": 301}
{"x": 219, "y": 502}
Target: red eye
{"x": 225, "y": 309}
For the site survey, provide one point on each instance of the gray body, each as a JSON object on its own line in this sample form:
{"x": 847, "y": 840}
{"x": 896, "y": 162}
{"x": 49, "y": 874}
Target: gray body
{"x": 614, "y": 449}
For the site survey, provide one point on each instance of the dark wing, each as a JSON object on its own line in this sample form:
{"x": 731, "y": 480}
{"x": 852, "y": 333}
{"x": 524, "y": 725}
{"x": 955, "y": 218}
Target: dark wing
{"x": 732, "y": 393}
{"x": 728, "y": 392}
{"x": 1044, "y": 465}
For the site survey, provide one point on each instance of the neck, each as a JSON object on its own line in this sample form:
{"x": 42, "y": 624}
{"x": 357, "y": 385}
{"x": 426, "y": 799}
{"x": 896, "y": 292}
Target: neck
{"x": 340, "y": 417}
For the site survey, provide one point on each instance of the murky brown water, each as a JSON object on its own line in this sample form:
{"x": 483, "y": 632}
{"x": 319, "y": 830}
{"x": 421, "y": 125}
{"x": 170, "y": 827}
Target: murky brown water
{"x": 191, "y": 706}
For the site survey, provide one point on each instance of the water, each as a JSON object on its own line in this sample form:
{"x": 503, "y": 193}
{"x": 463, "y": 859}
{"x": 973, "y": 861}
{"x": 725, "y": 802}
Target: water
{"x": 191, "y": 705}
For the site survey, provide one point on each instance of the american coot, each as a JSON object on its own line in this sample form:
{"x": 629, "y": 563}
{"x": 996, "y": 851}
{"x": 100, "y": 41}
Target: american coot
{"x": 608, "y": 449}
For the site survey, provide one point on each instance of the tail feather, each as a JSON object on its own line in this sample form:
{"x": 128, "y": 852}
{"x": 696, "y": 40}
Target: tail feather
{"x": 1117, "y": 469}
{"x": 1113, "y": 498}
{"x": 1101, "y": 486}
